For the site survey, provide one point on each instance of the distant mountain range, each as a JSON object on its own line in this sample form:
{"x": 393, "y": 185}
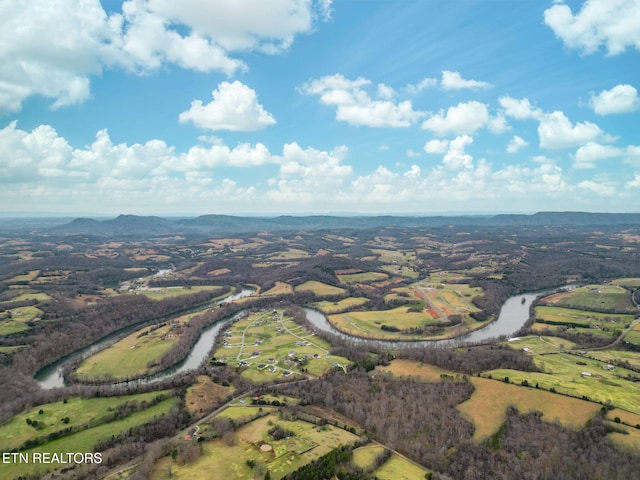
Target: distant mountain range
{"x": 223, "y": 224}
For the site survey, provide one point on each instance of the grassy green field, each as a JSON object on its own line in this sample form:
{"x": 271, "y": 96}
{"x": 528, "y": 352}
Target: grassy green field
{"x": 10, "y": 350}
{"x": 411, "y": 368}
{"x": 364, "y": 457}
{"x": 132, "y": 355}
{"x": 400, "y": 468}
{"x": 84, "y": 415}
{"x": 633, "y": 337}
{"x": 446, "y": 276}
{"x": 27, "y": 277}
{"x": 401, "y": 270}
{"x": 158, "y": 293}
{"x": 229, "y": 461}
{"x": 368, "y": 324}
{"x": 539, "y": 344}
{"x": 488, "y": 404}
{"x": 608, "y": 356}
{"x": 629, "y": 440}
{"x": 319, "y": 288}
{"x": 80, "y": 412}
{"x": 585, "y": 318}
{"x": 17, "y": 319}
{"x": 451, "y": 299}
{"x": 289, "y": 254}
{"x": 627, "y": 282}
{"x": 609, "y": 298}
{"x": 564, "y": 373}
{"x": 31, "y": 295}
{"x": 245, "y": 411}
{"x": 344, "y": 304}
{"x": 364, "y": 277}
{"x": 85, "y": 440}
{"x": 280, "y": 288}
{"x": 405, "y": 294}
{"x": 270, "y": 344}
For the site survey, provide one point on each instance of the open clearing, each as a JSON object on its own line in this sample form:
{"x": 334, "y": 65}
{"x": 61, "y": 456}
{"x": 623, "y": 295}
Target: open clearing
{"x": 369, "y": 324}
{"x": 269, "y": 344}
{"x": 488, "y": 405}
{"x": 18, "y": 319}
{"x": 364, "y": 456}
{"x": 307, "y": 443}
{"x": 203, "y": 395}
{"x": 85, "y": 439}
{"x": 280, "y": 288}
{"x": 595, "y": 323}
{"x": 633, "y": 337}
{"x": 400, "y": 468}
{"x": 607, "y": 298}
{"x": 160, "y": 293}
{"x": 410, "y": 368}
{"x": 319, "y": 288}
{"x": 627, "y": 282}
{"x": 536, "y": 345}
{"x": 79, "y": 411}
{"x": 609, "y": 356}
{"x": 364, "y": 277}
{"x": 135, "y": 354}
{"x": 451, "y": 299}
{"x": 579, "y": 377}
{"x": 344, "y": 304}
{"x": 629, "y": 440}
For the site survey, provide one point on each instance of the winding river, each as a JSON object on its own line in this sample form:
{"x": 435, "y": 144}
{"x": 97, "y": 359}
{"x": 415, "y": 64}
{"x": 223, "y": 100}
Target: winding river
{"x": 53, "y": 377}
{"x": 513, "y": 314}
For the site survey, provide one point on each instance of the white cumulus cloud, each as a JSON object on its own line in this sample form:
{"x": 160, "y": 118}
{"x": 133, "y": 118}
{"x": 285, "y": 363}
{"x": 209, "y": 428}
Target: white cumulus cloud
{"x": 609, "y": 23}
{"x": 587, "y": 156}
{"x": 519, "y": 109}
{"x": 456, "y": 158}
{"x": 53, "y": 48}
{"x": 436, "y": 146}
{"x": 516, "y": 143}
{"x": 423, "y": 84}
{"x": 234, "y": 107}
{"x": 454, "y": 81}
{"x": 465, "y": 118}
{"x": 556, "y": 131}
{"x": 620, "y": 99}
{"x": 356, "y": 107}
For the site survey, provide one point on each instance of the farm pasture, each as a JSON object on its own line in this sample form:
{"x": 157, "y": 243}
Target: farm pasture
{"x": 488, "y": 404}
{"x": 411, "y": 368}
{"x": 280, "y": 288}
{"x": 133, "y": 355}
{"x": 229, "y": 461}
{"x": 600, "y": 298}
{"x": 319, "y": 288}
{"x": 579, "y": 376}
{"x": 363, "y": 277}
{"x": 400, "y": 468}
{"x": 344, "y": 304}
{"x": 368, "y": 324}
{"x": 85, "y": 439}
{"x": 364, "y": 456}
{"x": 539, "y": 344}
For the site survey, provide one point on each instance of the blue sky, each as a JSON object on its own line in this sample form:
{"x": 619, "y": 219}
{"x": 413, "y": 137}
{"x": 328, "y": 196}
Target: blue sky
{"x": 313, "y": 106}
